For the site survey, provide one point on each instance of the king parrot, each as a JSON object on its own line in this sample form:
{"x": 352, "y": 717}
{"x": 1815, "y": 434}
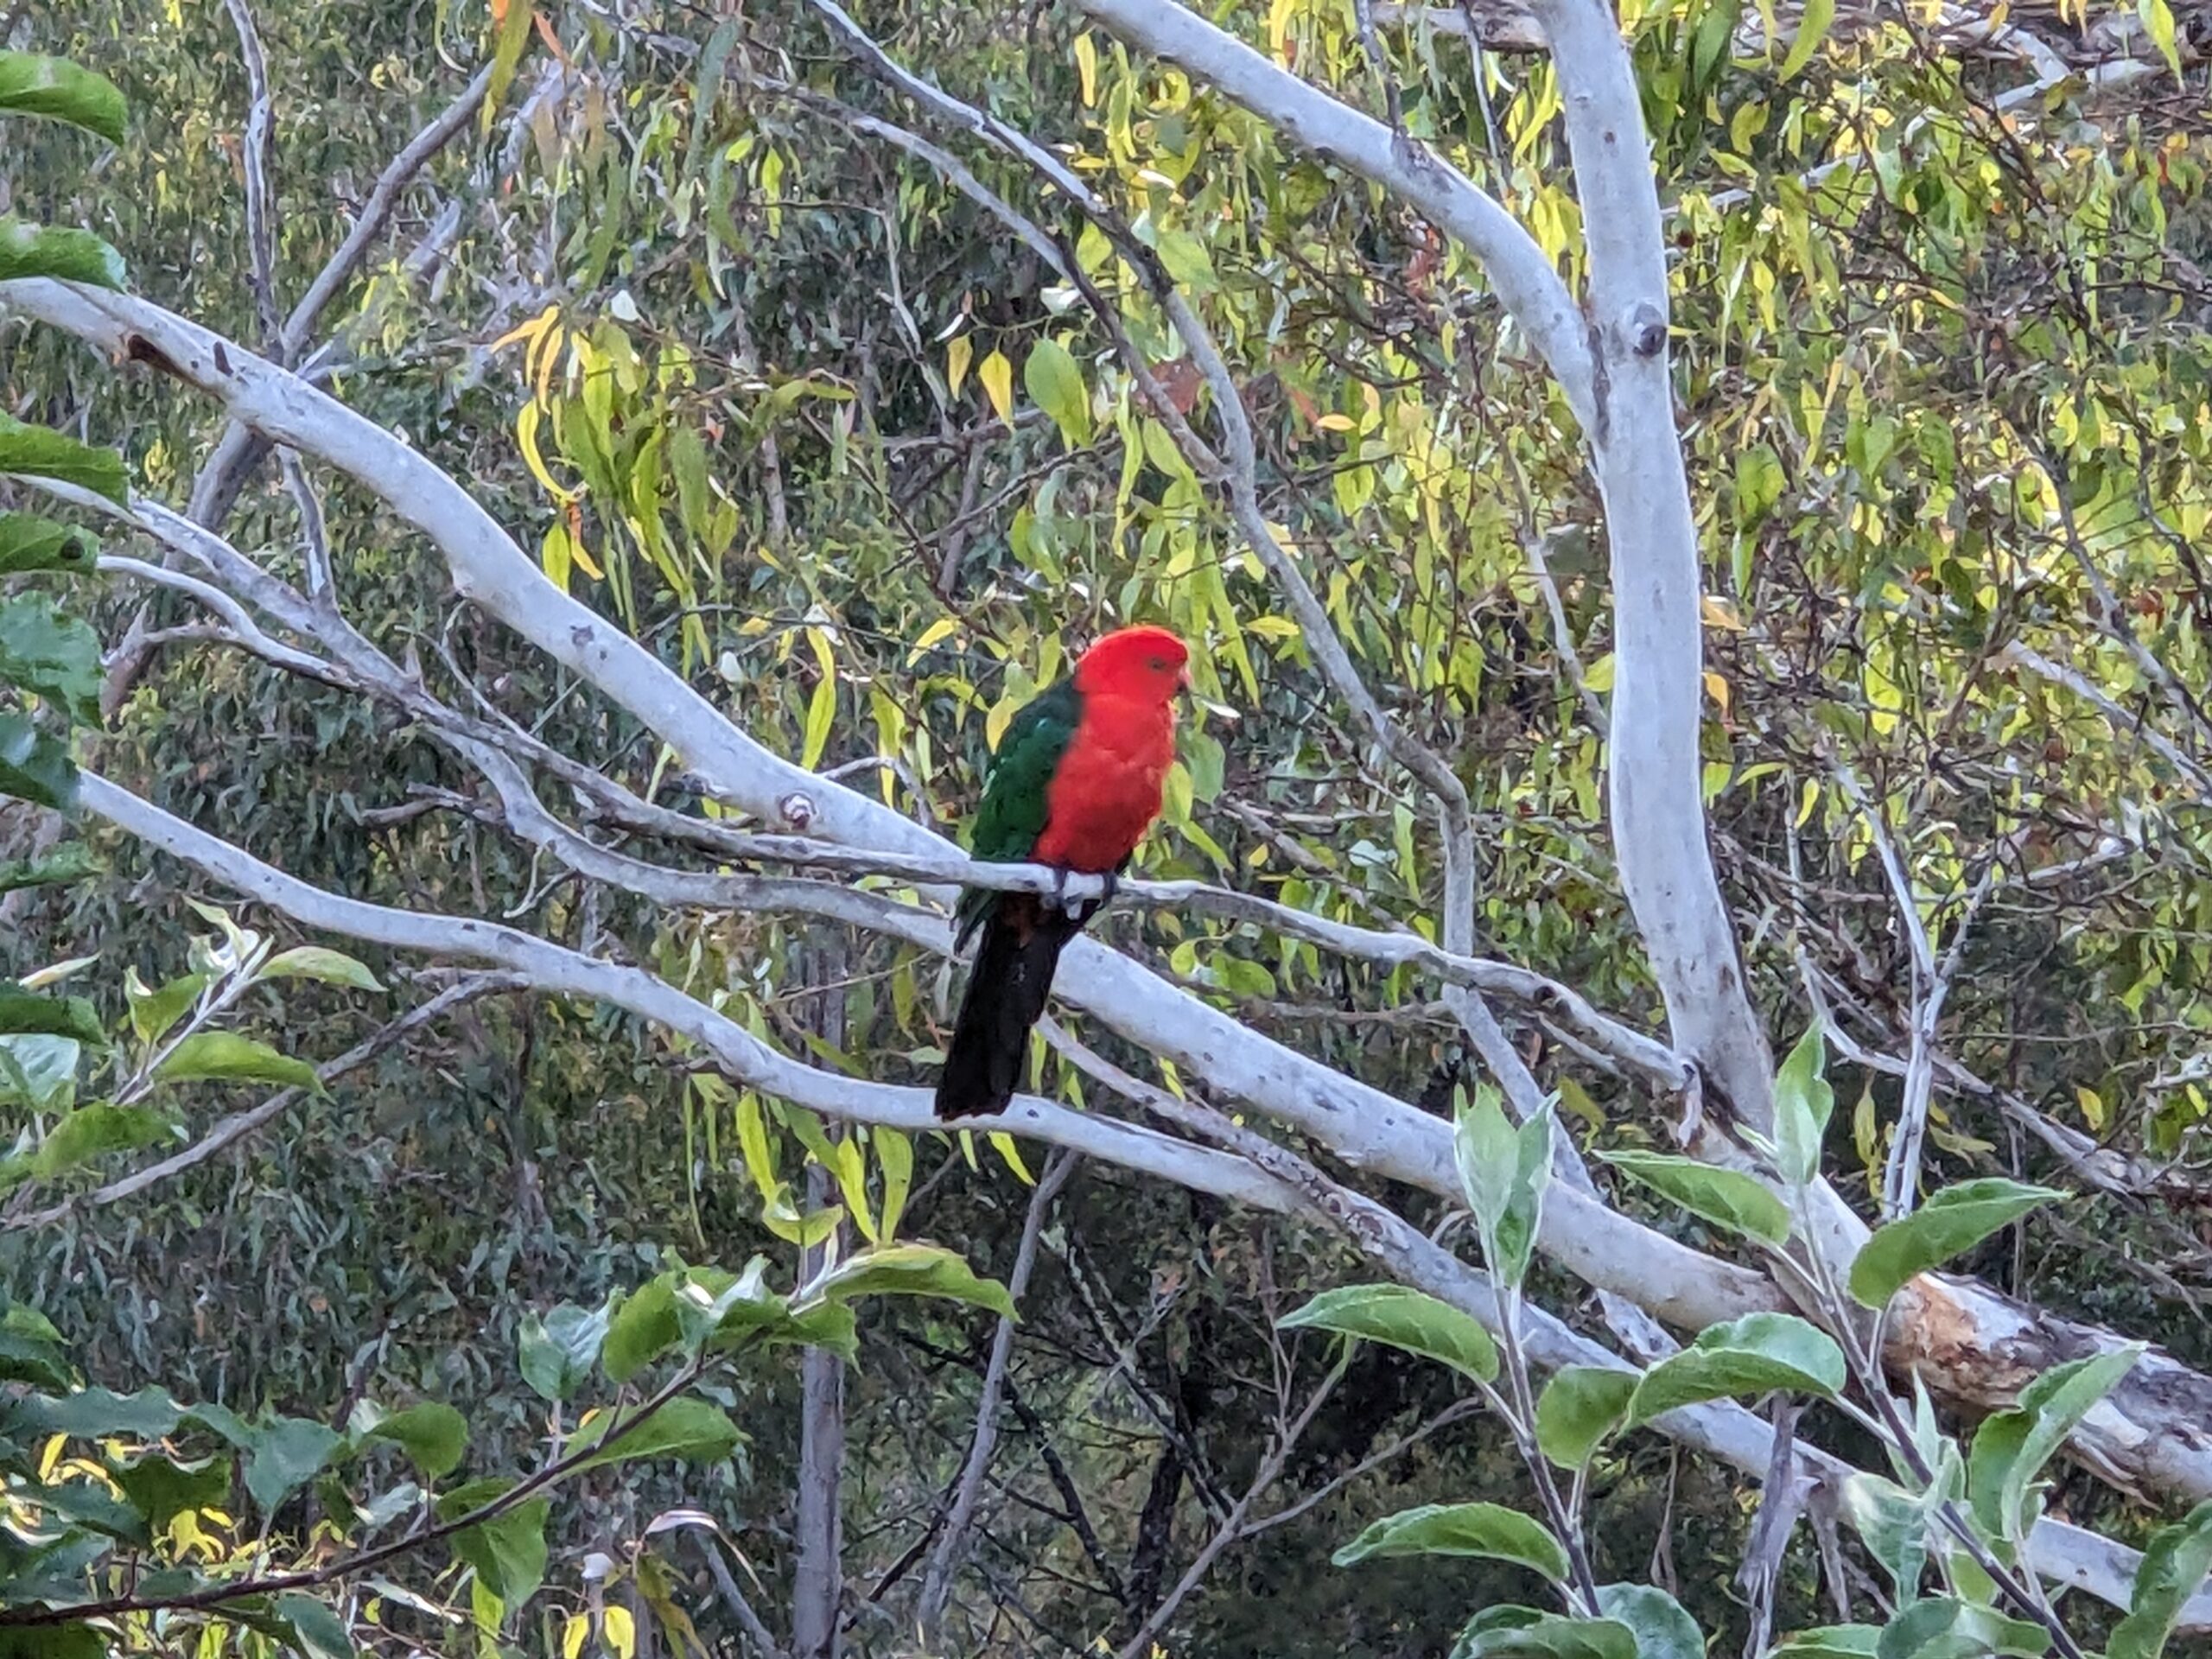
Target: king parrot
{"x": 1076, "y": 783}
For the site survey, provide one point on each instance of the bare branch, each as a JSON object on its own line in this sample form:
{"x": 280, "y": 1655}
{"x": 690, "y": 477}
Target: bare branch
{"x": 258, "y": 161}
{"x": 952, "y": 1541}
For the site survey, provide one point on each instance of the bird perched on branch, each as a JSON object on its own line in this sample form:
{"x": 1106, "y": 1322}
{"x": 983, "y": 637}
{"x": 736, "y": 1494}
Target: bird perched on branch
{"x": 1075, "y": 784}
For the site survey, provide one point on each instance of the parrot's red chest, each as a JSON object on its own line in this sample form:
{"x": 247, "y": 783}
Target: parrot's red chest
{"x": 1106, "y": 790}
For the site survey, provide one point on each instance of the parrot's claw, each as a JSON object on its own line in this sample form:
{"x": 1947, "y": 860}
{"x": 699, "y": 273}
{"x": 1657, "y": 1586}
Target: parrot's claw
{"x": 1113, "y": 885}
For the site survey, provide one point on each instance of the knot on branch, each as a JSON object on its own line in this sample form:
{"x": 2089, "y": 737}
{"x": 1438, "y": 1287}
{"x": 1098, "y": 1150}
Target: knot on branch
{"x": 798, "y": 810}
{"x": 1645, "y": 329}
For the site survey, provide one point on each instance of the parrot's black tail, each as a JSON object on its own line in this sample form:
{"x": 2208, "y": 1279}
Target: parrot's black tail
{"x": 1023, "y": 936}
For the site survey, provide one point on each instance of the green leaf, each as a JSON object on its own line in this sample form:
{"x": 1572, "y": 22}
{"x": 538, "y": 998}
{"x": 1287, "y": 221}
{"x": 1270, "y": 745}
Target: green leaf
{"x": 93, "y": 1413}
{"x": 691, "y": 1430}
{"x": 1579, "y": 1406}
{"x": 508, "y": 1552}
{"x": 719, "y": 1308}
{"x": 36, "y": 766}
{"x": 1944, "y": 1627}
{"x": 60, "y": 91}
{"x": 40, "y": 1070}
{"x": 226, "y": 1057}
{"x": 313, "y": 962}
{"x": 432, "y": 1434}
{"x": 1517, "y": 1630}
{"x": 1402, "y": 1319}
{"x": 152, "y": 1013}
{"x": 508, "y": 47}
{"x": 2157, "y": 20}
{"x": 2175, "y": 1564}
{"x": 1505, "y": 1172}
{"x": 1055, "y": 386}
{"x": 2012, "y": 1447}
{"x": 68, "y": 256}
{"x": 23, "y": 1012}
{"x": 1893, "y": 1524}
{"x": 1726, "y": 1197}
{"x": 1486, "y": 1529}
{"x": 163, "y": 1487}
{"x": 1830, "y": 1641}
{"x": 827, "y": 1324}
{"x": 1186, "y": 260}
{"x": 558, "y": 1352}
{"x": 85, "y": 1504}
{"x": 1662, "y": 1626}
{"x": 53, "y": 1642}
{"x": 29, "y": 543}
{"x": 30, "y": 1347}
{"x": 283, "y": 1456}
{"x": 320, "y": 1634}
{"x": 98, "y": 1128}
{"x": 1812, "y": 28}
{"x": 72, "y": 862}
{"x": 1744, "y": 1358}
{"x": 39, "y": 452}
{"x": 640, "y": 1329}
{"x": 1802, "y": 1102}
{"x": 909, "y": 1270}
{"x": 1952, "y": 1221}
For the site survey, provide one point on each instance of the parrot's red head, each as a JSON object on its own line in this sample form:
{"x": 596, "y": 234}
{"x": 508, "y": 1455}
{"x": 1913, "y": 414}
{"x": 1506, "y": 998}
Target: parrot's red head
{"x": 1145, "y": 664}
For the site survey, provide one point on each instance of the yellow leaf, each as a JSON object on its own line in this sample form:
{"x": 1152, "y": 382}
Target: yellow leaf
{"x": 1002, "y": 1143}
{"x": 851, "y": 1171}
{"x": 753, "y": 1137}
{"x": 526, "y": 441}
{"x": 896, "y": 1154}
{"x": 997, "y": 375}
{"x": 1086, "y": 66}
{"x": 620, "y": 1627}
{"x": 1721, "y": 614}
{"x": 2093, "y": 1108}
{"x": 957, "y": 356}
{"x": 556, "y": 555}
{"x": 822, "y": 707}
{"x": 1717, "y": 689}
{"x": 530, "y": 330}
{"x": 1333, "y": 422}
{"x": 585, "y": 563}
{"x": 937, "y": 630}
{"x": 573, "y": 1634}
{"x": 1599, "y": 675}
{"x": 1808, "y": 798}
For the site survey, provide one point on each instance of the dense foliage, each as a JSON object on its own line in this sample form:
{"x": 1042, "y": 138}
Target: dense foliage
{"x": 832, "y": 402}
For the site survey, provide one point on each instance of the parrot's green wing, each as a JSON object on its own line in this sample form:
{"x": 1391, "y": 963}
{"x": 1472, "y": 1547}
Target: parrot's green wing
{"x": 1016, "y": 787}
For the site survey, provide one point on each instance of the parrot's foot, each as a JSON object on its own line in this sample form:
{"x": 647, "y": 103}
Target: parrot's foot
{"x": 1082, "y": 910}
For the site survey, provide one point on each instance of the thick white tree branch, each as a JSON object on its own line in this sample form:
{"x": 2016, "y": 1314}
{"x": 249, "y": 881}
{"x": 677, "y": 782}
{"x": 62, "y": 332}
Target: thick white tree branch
{"x": 554, "y": 969}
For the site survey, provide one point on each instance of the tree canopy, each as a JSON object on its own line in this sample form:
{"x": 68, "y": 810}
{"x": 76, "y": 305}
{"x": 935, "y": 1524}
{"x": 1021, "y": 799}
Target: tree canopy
{"x": 1653, "y": 1066}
